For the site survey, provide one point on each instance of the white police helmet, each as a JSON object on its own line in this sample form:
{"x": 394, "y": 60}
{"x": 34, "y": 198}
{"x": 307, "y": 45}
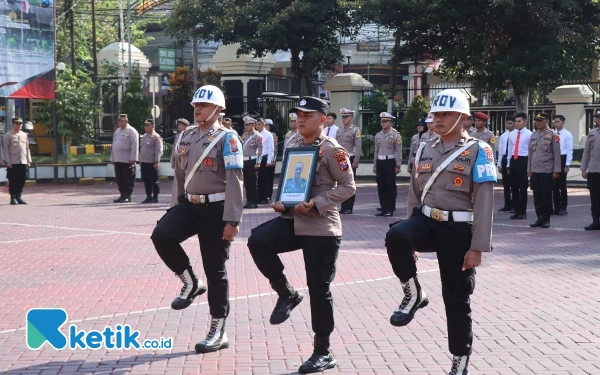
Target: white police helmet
{"x": 451, "y": 100}
{"x": 209, "y": 94}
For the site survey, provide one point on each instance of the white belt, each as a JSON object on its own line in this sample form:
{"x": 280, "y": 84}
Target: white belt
{"x": 441, "y": 215}
{"x": 385, "y": 157}
{"x": 246, "y": 158}
{"x": 352, "y": 154}
{"x": 205, "y": 198}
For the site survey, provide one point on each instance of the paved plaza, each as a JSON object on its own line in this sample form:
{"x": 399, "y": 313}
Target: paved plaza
{"x": 536, "y": 307}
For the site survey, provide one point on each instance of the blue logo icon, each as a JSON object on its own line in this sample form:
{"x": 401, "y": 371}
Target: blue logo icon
{"x": 44, "y": 325}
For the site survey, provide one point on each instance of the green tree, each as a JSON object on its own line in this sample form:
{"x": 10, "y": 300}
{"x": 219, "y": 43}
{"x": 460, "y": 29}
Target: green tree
{"x": 418, "y": 109}
{"x": 376, "y": 101}
{"x": 504, "y": 44}
{"x": 133, "y": 103}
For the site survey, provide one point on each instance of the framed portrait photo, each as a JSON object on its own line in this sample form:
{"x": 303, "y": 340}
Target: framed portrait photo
{"x": 297, "y": 173}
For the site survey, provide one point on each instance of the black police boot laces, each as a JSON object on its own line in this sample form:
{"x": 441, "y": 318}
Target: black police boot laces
{"x": 184, "y": 294}
{"x": 407, "y": 296}
{"x": 212, "y": 332}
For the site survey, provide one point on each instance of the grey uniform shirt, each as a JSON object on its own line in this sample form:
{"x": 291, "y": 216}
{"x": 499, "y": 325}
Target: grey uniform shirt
{"x": 332, "y": 184}
{"x": 290, "y": 137}
{"x": 253, "y": 144}
{"x": 219, "y": 172}
{"x": 15, "y": 148}
{"x": 544, "y": 152}
{"x": 591, "y": 153}
{"x": 388, "y": 144}
{"x": 349, "y": 138}
{"x": 150, "y": 150}
{"x": 487, "y": 136}
{"x": 466, "y": 184}
{"x": 414, "y": 145}
{"x": 125, "y": 145}
{"x": 428, "y": 136}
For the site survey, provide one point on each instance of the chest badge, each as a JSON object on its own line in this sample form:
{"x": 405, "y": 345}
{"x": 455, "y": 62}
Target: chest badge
{"x": 458, "y": 181}
{"x": 208, "y": 162}
{"x": 458, "y": 168}
{"x": 465, "y": 153}
{"x": 426, "y": 167}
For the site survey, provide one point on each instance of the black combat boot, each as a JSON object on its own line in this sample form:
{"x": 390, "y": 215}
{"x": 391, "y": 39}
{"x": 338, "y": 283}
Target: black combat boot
{"x": 538, "y": 223}
{"x": 147, "y": 200}
{"x": 19, "y": 200}
{"x": 320, "y": 360}
{"x": 414, "y": 299}
{"x": 192, "y": 287}
{"x": 459, "y": 365}
{"x": 13, "y": 200}
{"x": 595, "y": 225}
{"x": 287, "y": 301}
{"x": 216, "y": 339}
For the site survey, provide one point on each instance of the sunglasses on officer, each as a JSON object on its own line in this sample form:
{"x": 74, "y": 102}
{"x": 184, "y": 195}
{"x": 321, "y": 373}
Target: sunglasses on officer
{"x": 346, "y": 116}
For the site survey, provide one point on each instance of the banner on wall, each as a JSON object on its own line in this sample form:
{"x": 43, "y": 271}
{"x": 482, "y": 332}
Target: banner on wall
{"x": 27, "y": 68}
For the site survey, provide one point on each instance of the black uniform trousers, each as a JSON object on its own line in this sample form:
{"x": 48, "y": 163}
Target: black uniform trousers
{"x": 541, "y": 184}
{"x": 348, "y": 204}
{"x": 250, "y": 180}
{"x": 506, "y": 183}
{"x": 559, "y": 192}
{"x": 16, "y": 176}
{"x": 205, "y": 220}
{"x": 386, "y": 184}
{"x": 150, "y": 178}
{"x": 125, "y": 175}
{"x": 519, "y": 183}
{"x": 450, "y": 241}
{"x": 593, "y": 185}
{"x": 263, "y": 180}
{"x": 320, "y": 254}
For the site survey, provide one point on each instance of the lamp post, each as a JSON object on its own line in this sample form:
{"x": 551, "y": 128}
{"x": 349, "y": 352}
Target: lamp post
{"x": 348, "y": 55}
{"x": 60, "y": 67}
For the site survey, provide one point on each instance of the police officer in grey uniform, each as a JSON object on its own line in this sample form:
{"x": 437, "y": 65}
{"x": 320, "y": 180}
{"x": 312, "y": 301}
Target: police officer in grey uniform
{"x": 430, "y": 134}
{"x": 210, "y": 195}
{"x": 293, "y": 134}
{"x": 182, "y": 124}
{"x": 253, "y": 148}
{"x": 450, "y": 212}
{"x": 386, "y": 163}
{"x": 590, "y": 170}
{"x": 543, "y": 167}
{"x": 481, "y": 131}
{"x": 414, "y": 143}
{"x": 348, "y": 136}
{"x": 16, "y": 154}
{"x": 313, "y": 226}
{"x": 125, "y": 151}
{"x": 150, "y": 153}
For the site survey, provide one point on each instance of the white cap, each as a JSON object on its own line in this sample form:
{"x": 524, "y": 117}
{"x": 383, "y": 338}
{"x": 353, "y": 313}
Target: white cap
{"x": 268, "y": 121}
{"x": 451, "y": 100}
{"x": 293, "y": 117}
{"x": 222, "y": 114}
{"x": 346, "y": 111}
{"x": 429, "y": 117}
{"x": 209, "y": 94}
{"x": 386, "y": 115}
{"x": 248, "y": 119}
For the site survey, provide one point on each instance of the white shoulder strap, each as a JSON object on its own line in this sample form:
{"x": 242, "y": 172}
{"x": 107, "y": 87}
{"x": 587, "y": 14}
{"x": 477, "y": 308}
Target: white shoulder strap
{"x": 443, "y": 166}
{"x": 202, "y": 157}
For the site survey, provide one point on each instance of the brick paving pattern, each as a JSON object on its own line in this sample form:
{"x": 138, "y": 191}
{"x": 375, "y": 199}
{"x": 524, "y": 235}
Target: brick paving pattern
{"x": 536, "y": 308}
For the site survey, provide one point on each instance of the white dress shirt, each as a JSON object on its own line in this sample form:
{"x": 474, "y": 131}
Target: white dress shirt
{"x": 502, "y": 146}
{"x": 523, "y": 143}
{"x": 268, "y": 146}
{"x": 331, "y": 129}
{"x": 566, "y": 144}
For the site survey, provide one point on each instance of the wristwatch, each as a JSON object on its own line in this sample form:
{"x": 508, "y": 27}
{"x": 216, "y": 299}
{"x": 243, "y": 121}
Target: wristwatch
{"x": 233, "y": 223}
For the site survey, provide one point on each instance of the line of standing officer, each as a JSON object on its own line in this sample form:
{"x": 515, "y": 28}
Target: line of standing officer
{"x": 313, "y": 226}
{"x": 209, "y": 182}
{"x": 386, "y": 163}
{"x": 348, "y": 136}
{"x": 15, "y": 152}
{"x": 543, "y": 166}
{"x": 253, "y": 147}
{"x": 502, "y": 163}
{"x": 124, "y": 156}
{"x": 481, "y": 131}
{"x": 559, "y": 193}
{"x": 150, "y": 153}
{"x": 590, "y": 170}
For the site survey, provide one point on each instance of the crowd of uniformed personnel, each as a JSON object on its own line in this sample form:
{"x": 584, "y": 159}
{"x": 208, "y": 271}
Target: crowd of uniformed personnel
{"x": 450, "y": 201}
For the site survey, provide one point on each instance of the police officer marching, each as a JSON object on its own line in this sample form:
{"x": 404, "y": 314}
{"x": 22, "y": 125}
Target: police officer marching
{"x": 292, "y": 135}
{"x": 386, "y": 163}
{"x": 590, "y": 170}
{"x": 543, "y": 166}
{"x": 253, "y": 147}
{"x": 150, "y": 153}
{"x": 481, "y": 131}
{"x": 348, "y": 136}
{"x": 209, "y": 181}
{"x": 414, "y": 143}
{"x": 16, "y": 154}
{"x": 313, "y": 226}
{"x": 450, "y": 212}
{"x": 125, "y": 151}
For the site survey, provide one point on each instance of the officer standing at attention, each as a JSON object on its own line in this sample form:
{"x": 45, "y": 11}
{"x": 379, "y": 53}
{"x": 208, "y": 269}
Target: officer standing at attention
{"x": 253, "y": 147}
{"x": 502, "y": 162}
{"x": 209, "y": 181}
{"x": 293, "y": 134}
{"x": 348, "y": 136}
{"x": 125, "y": 151}
{"x": 468, "y": 125}
{"x": 150, "y": 152}
{"x": 226, "y": 122}
{"x": 518, "y": 146}
{"x": 313, "y": 226}
{"x": 267, "y": 160}
{"x": 414, "y": 143}
{"x": 386, "y": 163}
{"x": 271, "y": 167}
{"x": 450, "y": 212}
{"x": 430, "y": 133}
{"x": 182, "y": 124}
{"x": 559, "y": 194}
{"x": 482, "y": 132}
{"x": 590, "y": 170}
{"x": 16, "y": 154}
{"x": 543, "y": 167}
